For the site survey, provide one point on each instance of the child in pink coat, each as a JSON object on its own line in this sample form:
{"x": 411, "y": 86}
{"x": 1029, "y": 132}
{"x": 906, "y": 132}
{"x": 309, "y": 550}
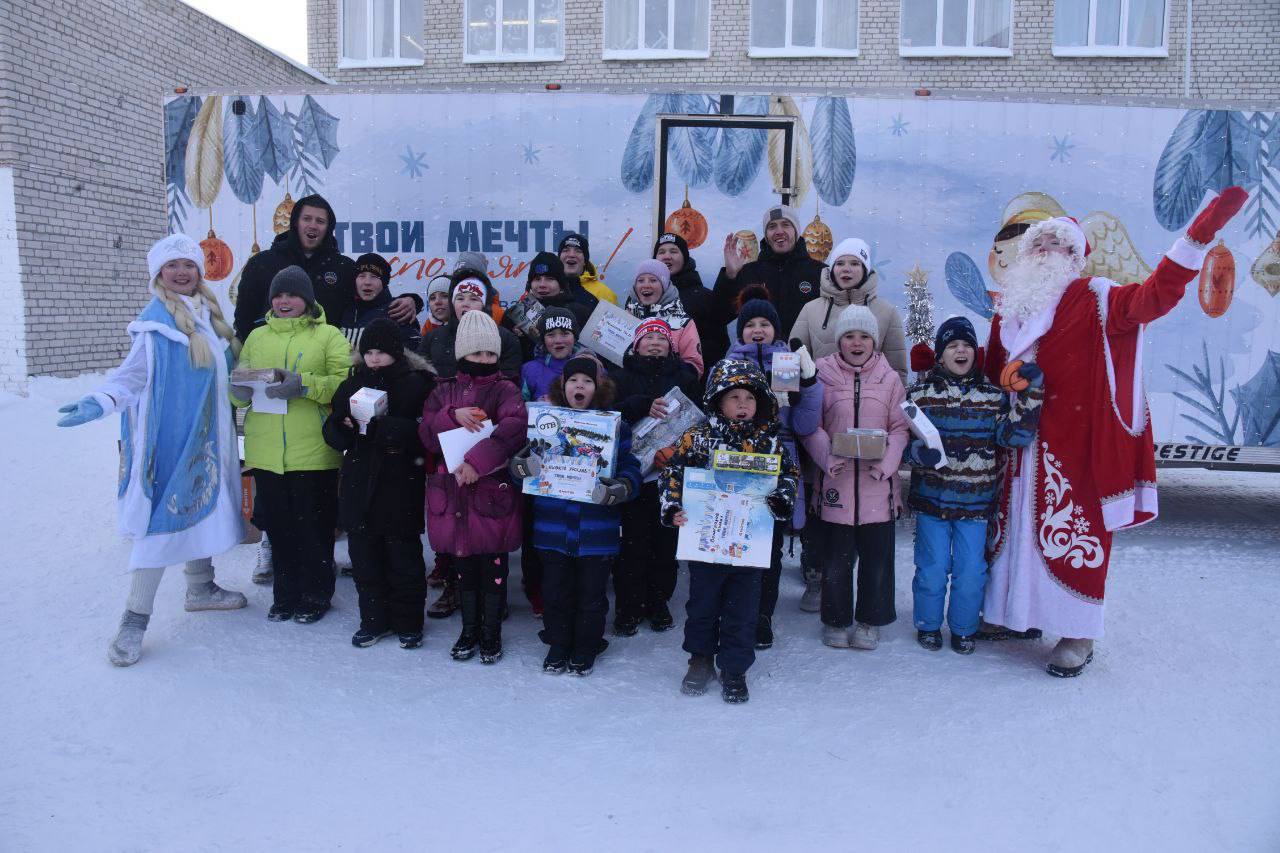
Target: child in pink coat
{"x": 858, "y": 498}
{"x": 474, "y": 511}
{"x": 653, "y": 295}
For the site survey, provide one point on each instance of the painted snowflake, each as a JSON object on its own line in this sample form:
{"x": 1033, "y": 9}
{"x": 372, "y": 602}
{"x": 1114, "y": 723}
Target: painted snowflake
{"x": 530, "y": 153}
{"x": 899, "y": 127}
{"x": 1062, "y": 149}
{"x": 414, "y": 164}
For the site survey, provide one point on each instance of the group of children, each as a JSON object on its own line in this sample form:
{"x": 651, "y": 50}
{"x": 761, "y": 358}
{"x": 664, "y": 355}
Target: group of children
{"x": 317, "y": 466}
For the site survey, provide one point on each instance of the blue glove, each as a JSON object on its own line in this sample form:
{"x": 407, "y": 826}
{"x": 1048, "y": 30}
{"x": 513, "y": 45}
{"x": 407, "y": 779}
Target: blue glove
{"x": 80, "y": 412}
{"x": 1033, "y": 374}
{"x": 928, "y": 456}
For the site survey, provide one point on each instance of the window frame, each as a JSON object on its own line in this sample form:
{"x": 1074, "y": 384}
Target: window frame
{"x": 1104, "y": 50}
{"x": 940, "y": 50}
{"x": 641, "y": 53}
{"x": 396, "y": 61}
{"x": 801, "y": 51}
{"x": 500, "y": 58}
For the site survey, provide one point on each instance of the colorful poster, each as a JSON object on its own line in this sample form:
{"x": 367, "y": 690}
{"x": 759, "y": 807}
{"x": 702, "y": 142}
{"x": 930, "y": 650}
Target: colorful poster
{"x": 575, "y": 448}
{"x": 609, "y": 332}
{"x": 729, "y": 519}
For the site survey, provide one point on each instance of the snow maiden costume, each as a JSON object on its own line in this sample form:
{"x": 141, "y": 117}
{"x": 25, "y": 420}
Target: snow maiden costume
{"x": 1090, "y": 470}
{"x": 179, "y": 490}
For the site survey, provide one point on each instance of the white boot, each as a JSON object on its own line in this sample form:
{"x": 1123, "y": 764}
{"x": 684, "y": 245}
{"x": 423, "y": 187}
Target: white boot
{"x": 836, "y": 638}
{"x": 865, "y": 637}
{"x": 1070, "y": 657}
{"x": 126, "y": 648}
{"x": 210, "y": 596}
{"x": 264, "y": 573}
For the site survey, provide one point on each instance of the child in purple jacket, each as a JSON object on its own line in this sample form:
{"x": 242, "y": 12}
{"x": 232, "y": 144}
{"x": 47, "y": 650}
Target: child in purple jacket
{"x": 473, "y": 511}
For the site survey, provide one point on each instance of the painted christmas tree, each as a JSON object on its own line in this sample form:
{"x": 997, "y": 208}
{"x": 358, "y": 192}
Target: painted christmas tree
{"x": 919, "y": 306}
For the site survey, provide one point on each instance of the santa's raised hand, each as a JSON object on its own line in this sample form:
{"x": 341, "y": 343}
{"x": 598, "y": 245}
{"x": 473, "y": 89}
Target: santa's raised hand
{"x": 1216, "y": 214}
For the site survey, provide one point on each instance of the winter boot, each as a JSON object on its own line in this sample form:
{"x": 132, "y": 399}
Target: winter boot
{"x": 535, "y": 602}
{"x": 582, "y": 665}
{"x": 931, "y": 640}
{"x": 963, "y": 645}
{"x": 701, "y": 670}
{"x": 411, "y": 640}
{"x": 444, "y": 606}
{"x": 263, "y": 573}
{"x": 811, "y": 601}
{"x": 995, "y": 633}
{"x": 1069, "y": 659}
{"x": 440, "y": 572}
{"x": 836, "y": 638}
{"x": 491, "y": 627}
{"x": 733, "y": 688}
{"x": 210, "y": 596}
{"x": 557, "y": 661}
{"x": 363, "y": 639}
{"x": 279, "y": 613}
{"x": 126, "y": 648}
{"x": 764, "y": 632}
{"x": 309, "y": 614}
{"x": 660, "y": 617}
{"x": 625, "y": 626}
{"x": 865, "y": 637}
{"x": 469, "y": 603}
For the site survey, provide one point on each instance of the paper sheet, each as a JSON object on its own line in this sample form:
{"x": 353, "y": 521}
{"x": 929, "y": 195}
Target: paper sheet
{"x": 264, "y": 404}
{"x": 455, "y": 443}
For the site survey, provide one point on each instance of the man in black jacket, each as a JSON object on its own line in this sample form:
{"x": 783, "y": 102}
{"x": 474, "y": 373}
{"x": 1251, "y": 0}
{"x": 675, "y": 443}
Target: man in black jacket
{"x": 784, "y": 267}
{"x": 309, "y": 243}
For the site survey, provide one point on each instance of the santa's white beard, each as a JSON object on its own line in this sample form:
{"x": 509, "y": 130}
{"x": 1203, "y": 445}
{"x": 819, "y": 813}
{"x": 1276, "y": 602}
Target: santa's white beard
{"x": 1035, "y": 283}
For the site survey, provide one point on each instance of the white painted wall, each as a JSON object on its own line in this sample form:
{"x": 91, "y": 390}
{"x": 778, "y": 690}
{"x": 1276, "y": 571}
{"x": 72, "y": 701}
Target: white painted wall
{"x": 13, "y": 339}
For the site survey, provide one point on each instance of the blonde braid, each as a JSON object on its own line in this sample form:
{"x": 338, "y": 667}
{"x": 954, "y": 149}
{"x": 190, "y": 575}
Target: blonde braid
{"x": 200, "y": 354}
{"x": 217, "y": 320}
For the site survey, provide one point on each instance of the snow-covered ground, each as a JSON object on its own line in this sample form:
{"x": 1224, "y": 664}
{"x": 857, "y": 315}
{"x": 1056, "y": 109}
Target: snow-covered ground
{"x": 235, "y": 733}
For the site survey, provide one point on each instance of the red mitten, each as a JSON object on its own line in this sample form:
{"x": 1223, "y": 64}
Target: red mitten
{"x": 922, "y": 357}
{"x": 1217, "y": 214}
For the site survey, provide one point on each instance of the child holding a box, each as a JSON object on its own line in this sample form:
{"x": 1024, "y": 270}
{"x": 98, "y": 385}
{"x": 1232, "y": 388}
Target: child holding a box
{"x": 954, "y": 502}
{"x": 857, "y": 490}
{"x": 724, "y": 601}
{"x": 644, "y": 576}
{"x": 473, "y": 512}
{"x": 380, "y": 494}
{"x": 577, "y": 542}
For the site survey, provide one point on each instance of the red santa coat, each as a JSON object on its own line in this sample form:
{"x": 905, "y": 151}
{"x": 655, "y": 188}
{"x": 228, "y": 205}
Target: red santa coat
{"x": 1093, "y": 462}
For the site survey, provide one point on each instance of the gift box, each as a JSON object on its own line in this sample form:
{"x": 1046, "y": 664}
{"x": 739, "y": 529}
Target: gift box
{"x": 525, "y": 313}
{"x": 859, "y": 443}
{"x": 575, "y": 449}
{"x": 609, "y": 331}
{"x": 367, "y": 404}
{"x": 923, "y": 429}
{"x": 651, "y": 435}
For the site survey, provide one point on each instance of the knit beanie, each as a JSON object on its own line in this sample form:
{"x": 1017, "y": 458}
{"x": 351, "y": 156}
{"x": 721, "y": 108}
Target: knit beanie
{"x": 858, "y": 318}
{"x": 653, "y": 324}
{"x": 584, "y": 363}
{"x": 293, "y": 279}
{"x": 753, "y": 308}
{"x": 955, "y": 329}
{"x": 782, "y": 211}
{"x": 557, "y": 318}
{"x": 476, "y": 333}
{"x": 543, "y": 264}
{"x": 675, "y": 240}
{"x": 384, "y": 336}
{"x": 376, "y": 264}
{"x": 657, "y": 269}
{"x": 579, "y": 241}
{"x": 439, "y": 284}
{"x": 855, "y": 247}
{"x": 472, "y": 261}
{"x": 172, "y": 248}
{"x": 471, "y": 285}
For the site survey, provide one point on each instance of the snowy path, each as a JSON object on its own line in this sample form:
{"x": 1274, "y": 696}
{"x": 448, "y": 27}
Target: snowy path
{"x": 234, "y": 733}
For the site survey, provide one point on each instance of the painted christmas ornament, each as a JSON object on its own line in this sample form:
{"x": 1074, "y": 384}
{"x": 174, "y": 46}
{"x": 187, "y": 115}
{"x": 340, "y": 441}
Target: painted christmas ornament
{"x": 284, "y": 210}
{"x": 818, "y": 239}
{"x": 748, "y": 246}
{"x": 218, "y": 260}
{"x": 688, "y": 223}
{"x": 1217, "y": 280}
{"x": 1266, "y": 269}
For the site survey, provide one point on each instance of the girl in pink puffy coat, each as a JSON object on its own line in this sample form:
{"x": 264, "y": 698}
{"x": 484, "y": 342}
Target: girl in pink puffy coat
{"x": 474, "y": 511}
{"x": 858, "y": 498}
{"x": 653, "y": 295}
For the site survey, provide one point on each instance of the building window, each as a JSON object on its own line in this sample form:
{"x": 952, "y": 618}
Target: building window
{"x": 804, "y": 28}
{"x": 656, "y": 29}
{"x": 514, "y": 31}
{"x": 1110, "y": 28}
{"x": 378, "y": 33}
{"x": 955, "y": 28}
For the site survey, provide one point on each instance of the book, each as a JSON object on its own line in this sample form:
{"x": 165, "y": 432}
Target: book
{"x": 729, "y": 518}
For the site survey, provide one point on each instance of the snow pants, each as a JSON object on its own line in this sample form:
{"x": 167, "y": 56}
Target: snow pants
{"x": 299, "y": 511}
{"x": 724, "y": 604}
{"x": 530, "y": 563}
{"x": 575, "y": 601}
{"x": 773, "y": 575}
{"x": 955, "y": 548}
{"x": 644, "y": 574}
{"x": 812, "y": 539}
{"x": 391, "y": 582}
{"x": 871, "y": 547}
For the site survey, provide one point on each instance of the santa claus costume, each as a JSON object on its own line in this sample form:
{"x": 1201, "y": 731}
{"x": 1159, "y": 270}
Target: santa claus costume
{"x": 1090, "y": 469}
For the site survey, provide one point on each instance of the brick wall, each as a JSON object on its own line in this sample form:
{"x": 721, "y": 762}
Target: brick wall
{"x": 1234, "y": 55}
{"x": 81, "y": 123}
